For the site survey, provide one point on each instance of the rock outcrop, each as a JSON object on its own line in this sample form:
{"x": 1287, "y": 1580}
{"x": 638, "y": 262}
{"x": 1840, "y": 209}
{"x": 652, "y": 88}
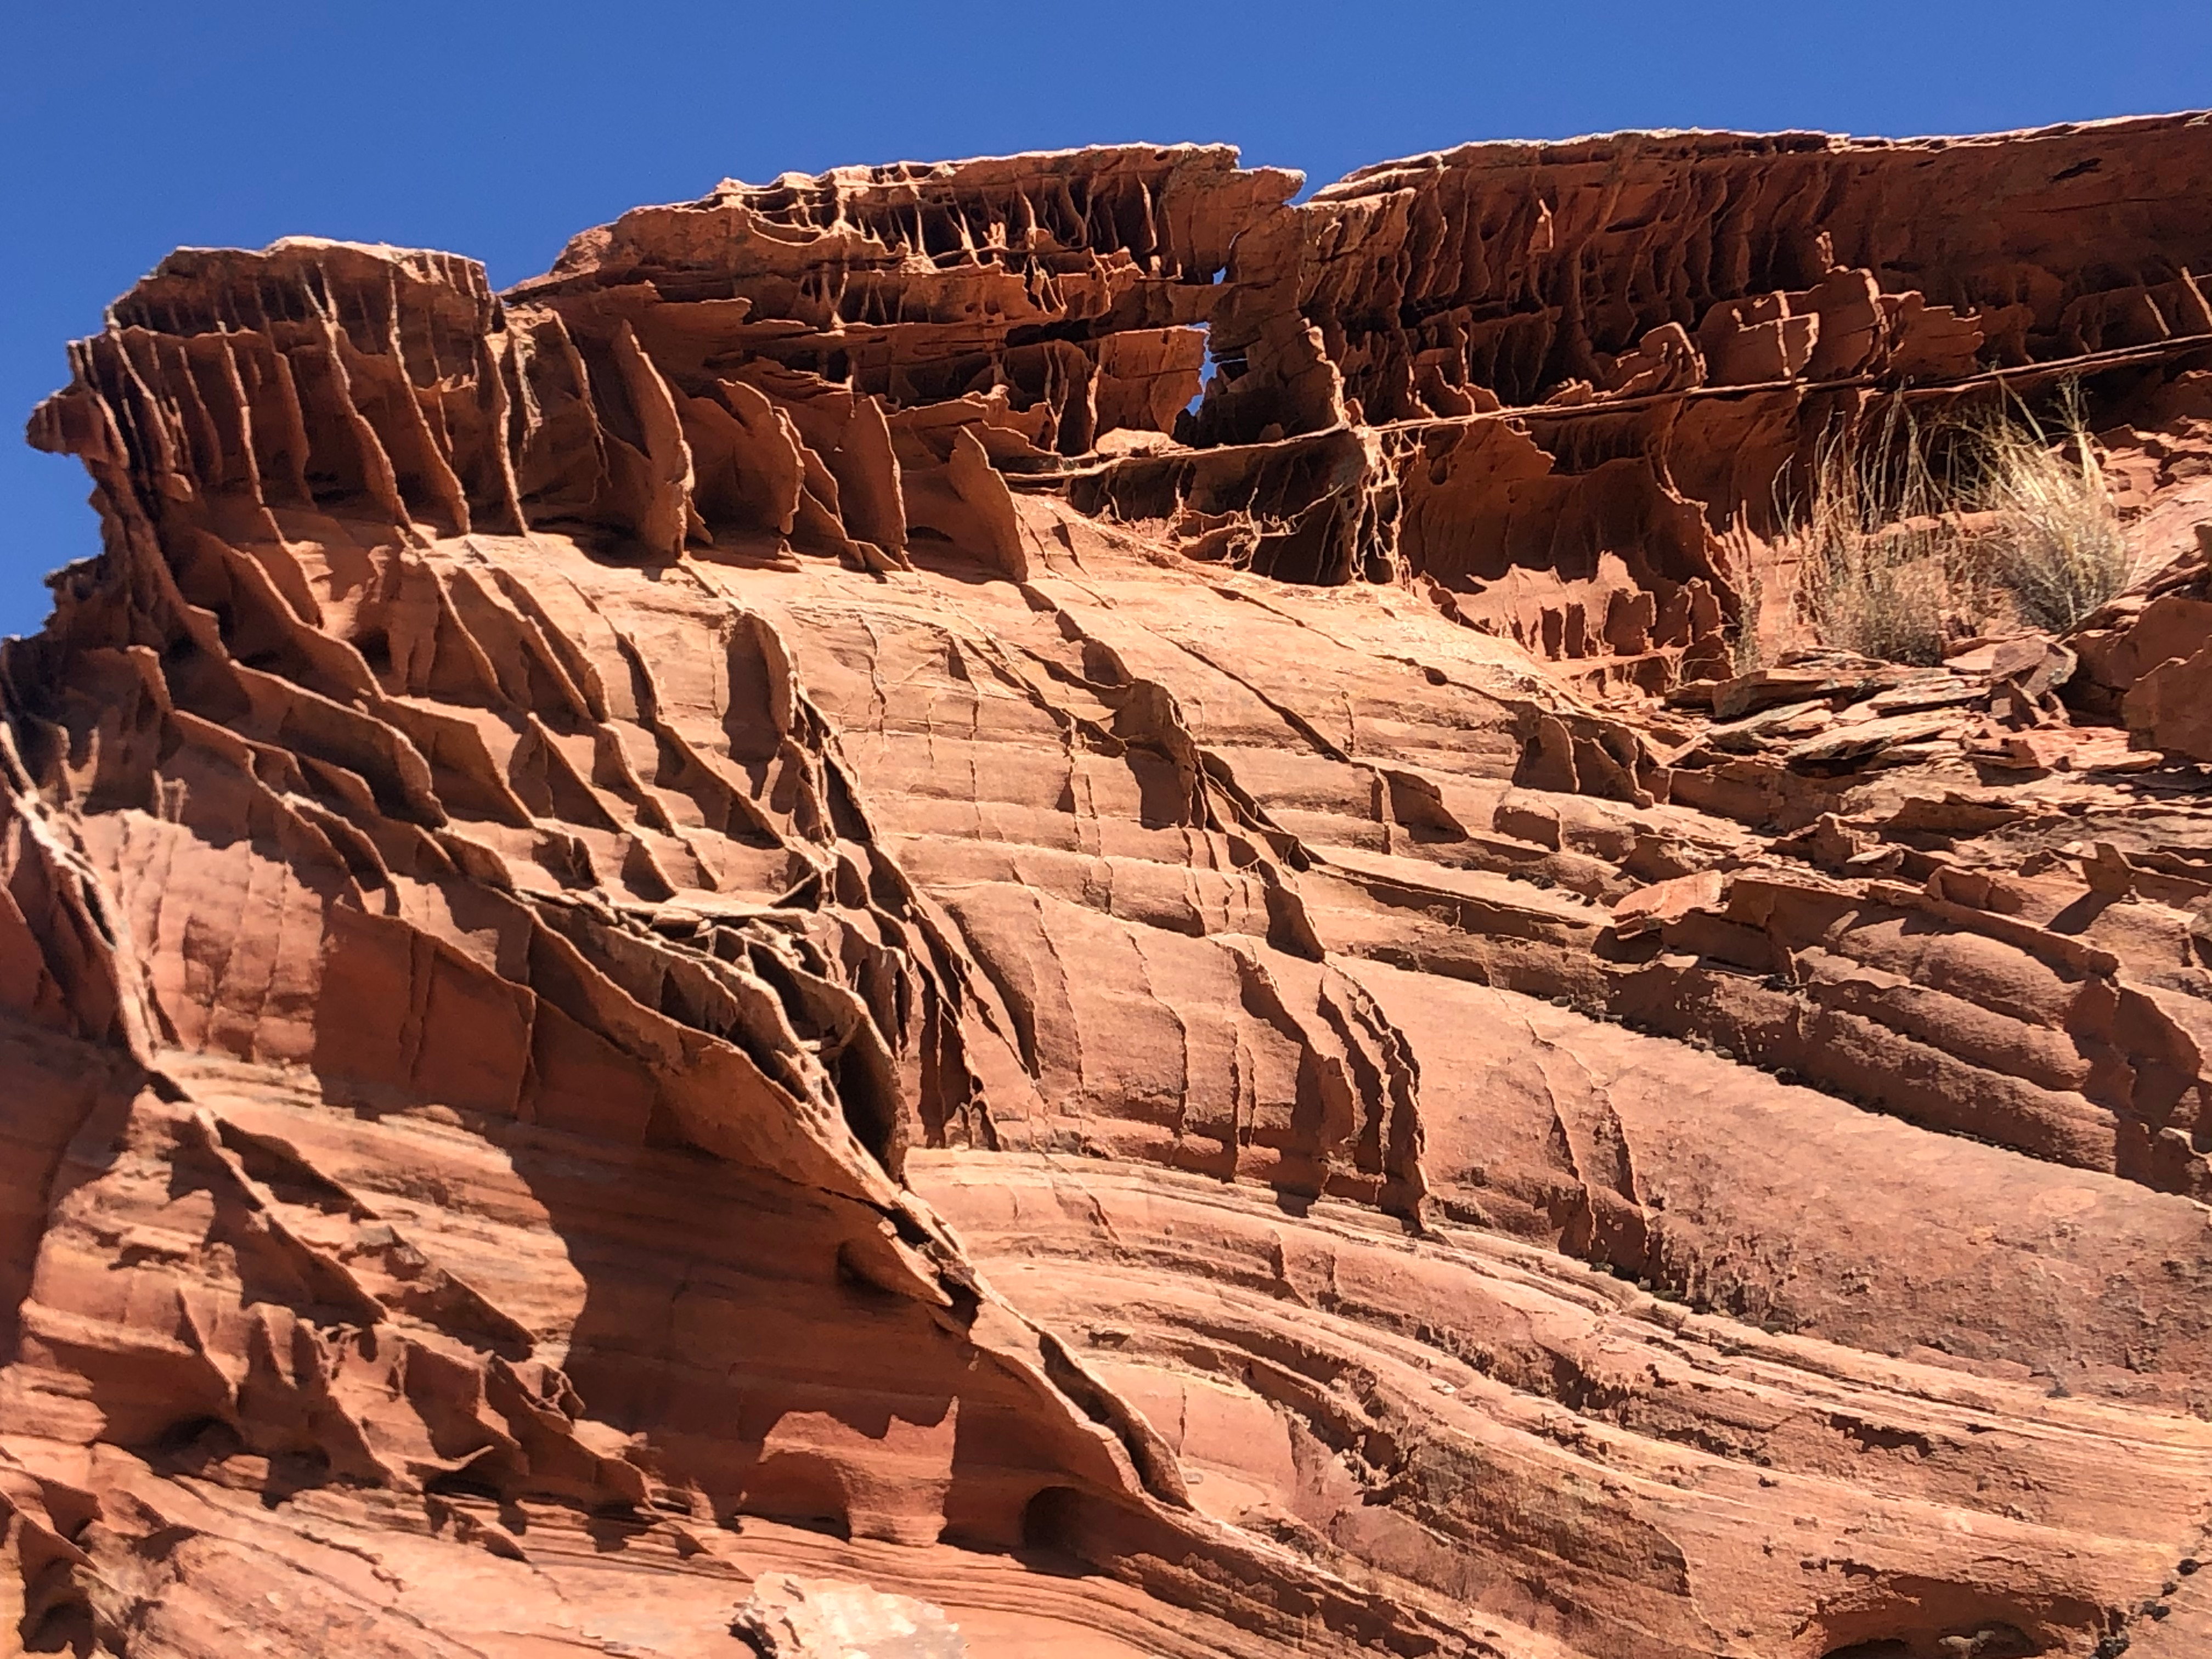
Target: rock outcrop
{"x": 1040, "y": 902}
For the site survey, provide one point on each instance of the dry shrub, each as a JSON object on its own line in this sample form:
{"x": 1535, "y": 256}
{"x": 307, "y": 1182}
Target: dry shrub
{"x": 1915, "y": 538}
{"x": 1745, "y": 635}
{"x": 1883, "y": 552}
{"x": 1747, "y": 650}
{"x": 2062, "y": 553}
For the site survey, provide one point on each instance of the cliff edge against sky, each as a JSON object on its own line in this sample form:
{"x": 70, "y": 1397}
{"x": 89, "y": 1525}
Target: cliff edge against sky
{"x": 1042, "y": 886}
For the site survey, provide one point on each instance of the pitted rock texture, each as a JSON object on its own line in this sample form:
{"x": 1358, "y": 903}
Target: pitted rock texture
{"x": 1042, "y": 889}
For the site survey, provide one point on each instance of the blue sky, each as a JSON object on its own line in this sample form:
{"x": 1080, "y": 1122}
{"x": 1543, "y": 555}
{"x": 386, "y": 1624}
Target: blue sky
{"x": 497, "y": 131}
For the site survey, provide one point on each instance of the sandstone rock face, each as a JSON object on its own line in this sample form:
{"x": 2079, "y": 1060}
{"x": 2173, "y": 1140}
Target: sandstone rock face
{"x": 1031, "y": 906}
{"x": 791, "y": 1618}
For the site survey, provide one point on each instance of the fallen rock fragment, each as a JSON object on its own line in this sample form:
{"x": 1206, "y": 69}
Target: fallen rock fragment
{"x": 1644, "y": 910}
{"x": 1861, "y": 740}
{"x": 1764, "y": 687}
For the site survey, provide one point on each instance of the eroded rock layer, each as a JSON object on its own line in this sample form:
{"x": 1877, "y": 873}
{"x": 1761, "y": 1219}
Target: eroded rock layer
{"x": 1032, "y": 905}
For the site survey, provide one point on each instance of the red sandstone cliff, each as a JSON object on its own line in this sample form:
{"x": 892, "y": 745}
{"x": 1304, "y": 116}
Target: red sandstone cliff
{"x": 790, "y": 904}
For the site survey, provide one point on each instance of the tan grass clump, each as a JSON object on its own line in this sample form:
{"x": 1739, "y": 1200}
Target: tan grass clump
{"x": 1915, "y": 538}
{"x": 1881, "y": 551}
{"x": 2061, "y": 553}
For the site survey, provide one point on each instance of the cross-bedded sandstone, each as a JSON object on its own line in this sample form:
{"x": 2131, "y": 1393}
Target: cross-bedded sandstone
{"x": 1046, "y": 883}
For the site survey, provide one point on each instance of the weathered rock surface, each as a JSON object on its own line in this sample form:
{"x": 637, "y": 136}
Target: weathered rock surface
{"x": 791, "y": 1618}
{"x": 790, "y": 939}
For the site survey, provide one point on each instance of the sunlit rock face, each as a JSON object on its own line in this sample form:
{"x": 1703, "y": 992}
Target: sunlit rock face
{"x": 1038, "y": 906}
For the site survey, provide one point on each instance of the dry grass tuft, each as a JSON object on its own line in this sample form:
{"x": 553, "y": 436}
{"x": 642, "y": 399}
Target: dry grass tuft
{"x": 1881, "y": 552}
{"x": 1747, "y": 650}
{"x": 2063, "y": 554}
{"x": 1916, "y": 537}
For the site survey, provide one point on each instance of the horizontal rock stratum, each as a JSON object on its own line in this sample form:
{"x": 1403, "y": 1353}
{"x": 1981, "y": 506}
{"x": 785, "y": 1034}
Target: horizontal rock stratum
{"x": 1037, "y": 906}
